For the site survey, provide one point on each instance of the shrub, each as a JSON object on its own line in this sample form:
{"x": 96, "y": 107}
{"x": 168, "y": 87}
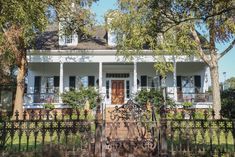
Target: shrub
{"x": 78, "y": 98}
{"x": 228, "y": 103}
{"x": 154, "y": 96}
{"x": 49, "y": 106}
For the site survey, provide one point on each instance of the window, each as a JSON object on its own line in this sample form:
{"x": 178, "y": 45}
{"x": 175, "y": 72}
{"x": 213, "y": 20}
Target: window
{"x": 148, "y": 82}
{"x": 72, "y": 80}
{"x": 56, "y": 84}
{"x": 143, "y": 81}
{"x": 197, "y": 82}
{"x": 117, "y": 75}
{"x": 127, "y": 89}
{"x": 83, "y": 81}
{"x": 37, "y": 84}
{"x": 187, "y": 82}
{"x": 46, "y": 84}
{"x": 68, "y": 39}
{"x": 91, "y": 81}
{"x": 178, "y": 80}
{"x": 107, "y": 89}
{"x": 197, "y": 79}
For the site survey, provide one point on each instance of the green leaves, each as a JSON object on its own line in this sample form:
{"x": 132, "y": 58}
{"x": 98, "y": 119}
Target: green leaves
{"x": 165, "y": 27}
{"x": 77, "y": 99}
{"x": 154, "y": 96}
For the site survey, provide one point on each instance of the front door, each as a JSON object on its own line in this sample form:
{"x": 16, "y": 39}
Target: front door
{"x": 117, "y": 91}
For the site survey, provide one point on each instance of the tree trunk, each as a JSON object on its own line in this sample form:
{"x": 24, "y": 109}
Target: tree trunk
{"x": 215, "y": 89}
{"x": 18, "y": 104}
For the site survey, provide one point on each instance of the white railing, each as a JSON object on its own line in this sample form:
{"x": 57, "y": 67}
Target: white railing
{"x": 37, "y": 98}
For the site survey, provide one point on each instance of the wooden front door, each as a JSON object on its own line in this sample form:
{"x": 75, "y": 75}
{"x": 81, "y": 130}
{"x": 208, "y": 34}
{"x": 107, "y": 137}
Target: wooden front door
{"x": 117, "y": 91}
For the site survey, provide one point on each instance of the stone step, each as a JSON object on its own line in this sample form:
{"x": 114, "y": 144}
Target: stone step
{"x": 120, "y": 131}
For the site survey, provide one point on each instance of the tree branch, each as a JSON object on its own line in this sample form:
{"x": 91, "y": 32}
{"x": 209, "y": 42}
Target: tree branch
{"x": 199, "y": 48}
{"x": 227, "y": 49}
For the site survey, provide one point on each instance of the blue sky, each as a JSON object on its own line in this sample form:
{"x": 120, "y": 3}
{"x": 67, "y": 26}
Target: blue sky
{"x": 226, "y": 64}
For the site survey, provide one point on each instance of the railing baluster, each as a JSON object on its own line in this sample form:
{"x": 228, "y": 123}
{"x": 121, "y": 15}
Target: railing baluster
{"x": 20, "y": 135}
{"x": 187, "y": 130}
{"x": 211, "y": 136}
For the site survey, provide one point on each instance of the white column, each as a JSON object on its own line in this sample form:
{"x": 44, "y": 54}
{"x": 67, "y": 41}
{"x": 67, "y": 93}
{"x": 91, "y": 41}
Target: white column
{"x": 61, "y": 88}
{"x": 175, "y": 80}
{"x": 206, "y": 79}
{"x": 135, "y": 79}
{"x": 100, "y": 77}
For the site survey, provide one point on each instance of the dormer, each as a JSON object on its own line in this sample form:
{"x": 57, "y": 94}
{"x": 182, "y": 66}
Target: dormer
{"x": 67, "y": 39}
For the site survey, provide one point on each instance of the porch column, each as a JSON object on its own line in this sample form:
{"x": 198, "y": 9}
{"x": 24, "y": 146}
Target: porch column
{"x": 100, "y": 77}
{"x": 175, "y": 80}
{"x": 61, "y": 88}
{"x": 135, "y": 79}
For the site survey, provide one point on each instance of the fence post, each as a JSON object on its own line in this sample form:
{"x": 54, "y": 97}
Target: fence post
{"x": 98, "y": 132}
{"x": 163, "y": 131}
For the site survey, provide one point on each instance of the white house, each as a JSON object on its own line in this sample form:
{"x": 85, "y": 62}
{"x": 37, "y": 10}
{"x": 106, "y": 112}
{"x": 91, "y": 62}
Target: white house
{"x": 59, "y": 63}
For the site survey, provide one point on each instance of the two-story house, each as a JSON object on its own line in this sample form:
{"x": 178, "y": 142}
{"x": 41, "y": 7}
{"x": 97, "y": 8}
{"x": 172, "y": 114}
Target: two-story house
{"x": 59, "y": 63}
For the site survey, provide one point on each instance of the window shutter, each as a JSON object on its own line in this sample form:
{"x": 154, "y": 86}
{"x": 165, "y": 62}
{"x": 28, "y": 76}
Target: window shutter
{"x": 197, "y": 80}
{"x": 143, "y": 80}
{"x": 56, "y": 81}
{"x": 179, "y": 82}
{"x": 37, "y": 84}
{"x": 72, "y": 80}
{"x": 91, "y": 81}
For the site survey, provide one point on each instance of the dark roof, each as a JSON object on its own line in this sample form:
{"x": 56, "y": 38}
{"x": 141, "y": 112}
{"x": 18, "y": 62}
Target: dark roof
{"x": 49, "y": 40}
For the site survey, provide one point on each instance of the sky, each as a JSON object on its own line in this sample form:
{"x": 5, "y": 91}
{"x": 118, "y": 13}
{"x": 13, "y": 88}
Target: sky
{"x": 226, "y": 64}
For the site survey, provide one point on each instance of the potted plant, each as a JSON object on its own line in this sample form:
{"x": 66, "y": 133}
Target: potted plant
{"x": 187, "y": 105}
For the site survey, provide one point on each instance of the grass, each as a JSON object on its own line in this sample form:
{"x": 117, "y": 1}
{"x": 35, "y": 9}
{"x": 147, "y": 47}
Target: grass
{"x": 184, "y": 131}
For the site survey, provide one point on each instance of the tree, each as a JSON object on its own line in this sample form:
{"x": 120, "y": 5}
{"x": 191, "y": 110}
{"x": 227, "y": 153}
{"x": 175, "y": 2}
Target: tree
{"x": 172, "y": 27}
{"x": 230, "y": 83}
{"x": 22, "y": 20}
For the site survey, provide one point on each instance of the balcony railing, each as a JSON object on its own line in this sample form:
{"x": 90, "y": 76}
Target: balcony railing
{"x": 31, "y": 98}
{"x": 187, "y": 94}
{"x": 194, "y": 97}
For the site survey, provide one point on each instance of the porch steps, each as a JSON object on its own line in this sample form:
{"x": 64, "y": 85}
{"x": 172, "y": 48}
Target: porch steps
{"x": 120, "y": 129}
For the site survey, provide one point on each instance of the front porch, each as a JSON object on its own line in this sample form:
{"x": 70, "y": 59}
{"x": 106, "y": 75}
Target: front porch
{"x": 120, "y": 81}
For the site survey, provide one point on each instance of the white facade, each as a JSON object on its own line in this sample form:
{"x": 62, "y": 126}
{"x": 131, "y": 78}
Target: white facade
{"x": 68, "y": 66}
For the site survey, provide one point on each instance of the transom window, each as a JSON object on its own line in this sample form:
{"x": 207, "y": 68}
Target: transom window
{"x": 117, "y": 75}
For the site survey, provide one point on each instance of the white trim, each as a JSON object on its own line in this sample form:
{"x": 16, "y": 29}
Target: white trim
{"x": 100, "y": 77}
{"x": 108, "y": 101}
{"x": 61, "y": 85}
{"x": 175, "y": 80}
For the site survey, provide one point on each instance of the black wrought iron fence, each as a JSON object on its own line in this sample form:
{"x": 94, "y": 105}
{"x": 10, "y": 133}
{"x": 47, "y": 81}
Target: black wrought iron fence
{"x": 131, "y": 130}
{"x": 45, "y": 132}
{"x": 203, "y": 136}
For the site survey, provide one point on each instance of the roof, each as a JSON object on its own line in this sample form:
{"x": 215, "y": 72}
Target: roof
{"x": 49, "y": 40}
